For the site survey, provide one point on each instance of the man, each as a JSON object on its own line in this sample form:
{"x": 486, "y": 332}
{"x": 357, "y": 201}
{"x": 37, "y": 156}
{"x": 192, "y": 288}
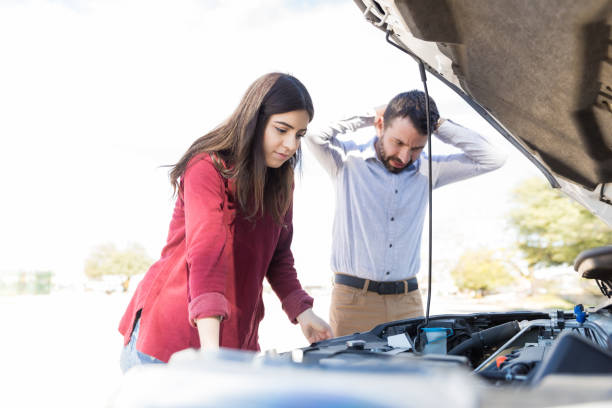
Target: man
{"x": 381, "y": 197}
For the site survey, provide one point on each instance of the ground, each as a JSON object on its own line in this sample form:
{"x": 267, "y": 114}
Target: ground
{"x": 63, "y": 349}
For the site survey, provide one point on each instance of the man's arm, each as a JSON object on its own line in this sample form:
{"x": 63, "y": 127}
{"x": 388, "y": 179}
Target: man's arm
{"x": 326, "y": 147}
{"x": 477, "y": 156}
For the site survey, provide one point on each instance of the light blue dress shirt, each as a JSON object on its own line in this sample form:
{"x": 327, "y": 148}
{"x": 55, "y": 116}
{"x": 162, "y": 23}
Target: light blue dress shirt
{"x": 378, "y": 220}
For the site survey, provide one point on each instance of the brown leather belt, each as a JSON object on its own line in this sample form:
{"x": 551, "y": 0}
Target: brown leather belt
{"x": 382, "y": 288}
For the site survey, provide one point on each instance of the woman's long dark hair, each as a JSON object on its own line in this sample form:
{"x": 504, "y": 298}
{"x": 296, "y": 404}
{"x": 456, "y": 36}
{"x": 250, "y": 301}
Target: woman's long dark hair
{"x": 236, "y": 147}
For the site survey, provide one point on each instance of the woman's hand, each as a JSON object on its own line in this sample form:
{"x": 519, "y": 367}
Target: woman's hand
{"x": 314, "y": 328}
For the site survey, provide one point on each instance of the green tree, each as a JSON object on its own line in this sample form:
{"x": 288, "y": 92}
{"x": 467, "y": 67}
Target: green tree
{"x": 552, "y": 229}
{"x": 482, "y": 271}
{"x": 107, "y": 259}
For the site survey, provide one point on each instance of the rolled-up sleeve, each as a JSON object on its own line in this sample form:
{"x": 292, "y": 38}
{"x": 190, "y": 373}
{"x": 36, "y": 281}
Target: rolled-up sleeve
{"x": 283, "y": 277}
{"x": 206, "y": 233}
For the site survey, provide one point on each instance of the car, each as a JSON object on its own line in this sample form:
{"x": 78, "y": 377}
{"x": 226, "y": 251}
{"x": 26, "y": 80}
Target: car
{"x": 539, "y": 73}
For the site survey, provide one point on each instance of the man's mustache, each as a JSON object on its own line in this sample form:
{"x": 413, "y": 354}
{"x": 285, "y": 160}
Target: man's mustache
{"x": 399, "y": 162}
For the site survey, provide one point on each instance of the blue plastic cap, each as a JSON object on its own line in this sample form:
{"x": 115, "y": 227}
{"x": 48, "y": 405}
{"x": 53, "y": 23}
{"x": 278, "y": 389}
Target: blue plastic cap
{"x": 580, "y": 313}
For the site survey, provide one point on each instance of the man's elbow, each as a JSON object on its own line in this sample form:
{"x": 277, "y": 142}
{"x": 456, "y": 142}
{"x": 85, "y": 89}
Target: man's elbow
{"x": 312, "y": 139}
{"x": 495, "y": 160}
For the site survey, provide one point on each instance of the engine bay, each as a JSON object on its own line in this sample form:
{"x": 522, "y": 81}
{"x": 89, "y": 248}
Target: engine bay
{"x": 500, "y": 348}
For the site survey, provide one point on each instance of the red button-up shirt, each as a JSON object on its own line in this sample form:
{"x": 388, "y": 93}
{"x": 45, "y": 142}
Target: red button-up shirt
{"x": 213, "y": 264}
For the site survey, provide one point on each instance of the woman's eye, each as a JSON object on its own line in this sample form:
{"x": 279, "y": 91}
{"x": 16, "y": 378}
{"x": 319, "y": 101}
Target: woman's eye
{"x": 300, "y": 135}
{"x": 281, "y": 130}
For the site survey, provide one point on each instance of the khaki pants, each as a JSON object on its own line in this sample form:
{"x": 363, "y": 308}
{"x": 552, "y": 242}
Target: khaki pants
{"x": 358, "y": 310}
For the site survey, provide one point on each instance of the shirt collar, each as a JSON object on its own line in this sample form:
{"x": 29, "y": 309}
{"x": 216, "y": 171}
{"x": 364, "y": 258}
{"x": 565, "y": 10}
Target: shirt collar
{"x": 369, "y": 150}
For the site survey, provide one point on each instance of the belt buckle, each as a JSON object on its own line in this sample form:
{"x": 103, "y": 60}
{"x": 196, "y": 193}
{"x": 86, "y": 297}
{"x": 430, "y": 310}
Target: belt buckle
{"x": 386, "y": 288}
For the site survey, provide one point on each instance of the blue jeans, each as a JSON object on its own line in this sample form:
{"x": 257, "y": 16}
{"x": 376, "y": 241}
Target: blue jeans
{"x": 131, "y": 357}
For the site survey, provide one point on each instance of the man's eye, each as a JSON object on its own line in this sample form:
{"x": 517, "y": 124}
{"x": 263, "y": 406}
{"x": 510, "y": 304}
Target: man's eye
{"x": 281, "y": 130}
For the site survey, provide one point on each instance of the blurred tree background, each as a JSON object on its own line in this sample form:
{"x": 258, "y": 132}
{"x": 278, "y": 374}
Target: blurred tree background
{"x": 107, "y": 259}
{"x": 482, "y": 271}
{"x": 553, "y": 229}
{"x": 26, "y": 282}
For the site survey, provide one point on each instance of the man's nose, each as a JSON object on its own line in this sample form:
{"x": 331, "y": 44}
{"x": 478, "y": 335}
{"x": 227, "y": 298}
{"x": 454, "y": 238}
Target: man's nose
{"x": 405, "y": 156}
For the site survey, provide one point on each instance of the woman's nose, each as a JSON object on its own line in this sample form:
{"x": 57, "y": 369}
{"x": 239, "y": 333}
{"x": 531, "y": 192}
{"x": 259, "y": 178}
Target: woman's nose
{"x": 290, "y": 142}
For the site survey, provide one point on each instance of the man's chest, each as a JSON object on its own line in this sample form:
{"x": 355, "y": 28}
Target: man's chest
{"x": 368, "y": 185}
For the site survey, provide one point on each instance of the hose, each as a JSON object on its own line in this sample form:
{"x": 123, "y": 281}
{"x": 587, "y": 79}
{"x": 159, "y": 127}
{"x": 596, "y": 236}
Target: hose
{"x": 487, "y": 338}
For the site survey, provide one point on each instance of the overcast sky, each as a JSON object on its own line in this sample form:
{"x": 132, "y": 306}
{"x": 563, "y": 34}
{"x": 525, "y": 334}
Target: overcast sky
{"x": 96, "y": 95}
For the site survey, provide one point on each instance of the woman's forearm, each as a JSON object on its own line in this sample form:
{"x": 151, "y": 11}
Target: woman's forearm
{"x": 208, "y": 329}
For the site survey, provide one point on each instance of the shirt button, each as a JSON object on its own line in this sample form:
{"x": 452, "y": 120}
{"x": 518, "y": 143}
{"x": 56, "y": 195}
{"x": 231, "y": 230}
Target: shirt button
{"x": 392, "y": 219}
{"x": 388, "y": 272}
{"x": 395, "y": 191}
{"x": 390, "y": 245}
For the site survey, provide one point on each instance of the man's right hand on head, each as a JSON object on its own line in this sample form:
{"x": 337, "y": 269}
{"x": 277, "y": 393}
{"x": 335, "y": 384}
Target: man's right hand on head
{"x": 380, "y": 111}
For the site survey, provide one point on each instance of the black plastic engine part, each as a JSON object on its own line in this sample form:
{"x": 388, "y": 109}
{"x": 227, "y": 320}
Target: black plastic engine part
{"x": 487, "y": 338}
{"x": 596, "y": 263}
{"x": 573, "y": 354}
{"x": 523, "y": 360}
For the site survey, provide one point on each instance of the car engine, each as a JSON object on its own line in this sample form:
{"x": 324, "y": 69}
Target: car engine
{"x": 501, "y": 348}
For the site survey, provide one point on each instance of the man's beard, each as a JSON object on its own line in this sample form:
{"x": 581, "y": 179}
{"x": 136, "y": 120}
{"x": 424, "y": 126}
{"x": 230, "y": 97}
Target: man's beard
{"x": 387, "y": 160}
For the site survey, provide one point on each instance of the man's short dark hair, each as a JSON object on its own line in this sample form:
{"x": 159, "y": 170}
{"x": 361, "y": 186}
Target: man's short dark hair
{"x": 411, "y": 104}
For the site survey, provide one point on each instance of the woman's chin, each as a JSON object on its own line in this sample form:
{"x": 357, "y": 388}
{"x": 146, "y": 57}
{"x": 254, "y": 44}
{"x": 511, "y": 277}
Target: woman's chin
{"x": 275, "y": 163}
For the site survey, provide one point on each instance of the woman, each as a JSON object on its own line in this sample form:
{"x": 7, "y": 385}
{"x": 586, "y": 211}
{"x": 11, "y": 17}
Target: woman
{"x": 231, "y": 227}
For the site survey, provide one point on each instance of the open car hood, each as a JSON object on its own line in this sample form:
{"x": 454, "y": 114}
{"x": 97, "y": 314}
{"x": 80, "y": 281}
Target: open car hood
{"x": 539, "y": 72}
